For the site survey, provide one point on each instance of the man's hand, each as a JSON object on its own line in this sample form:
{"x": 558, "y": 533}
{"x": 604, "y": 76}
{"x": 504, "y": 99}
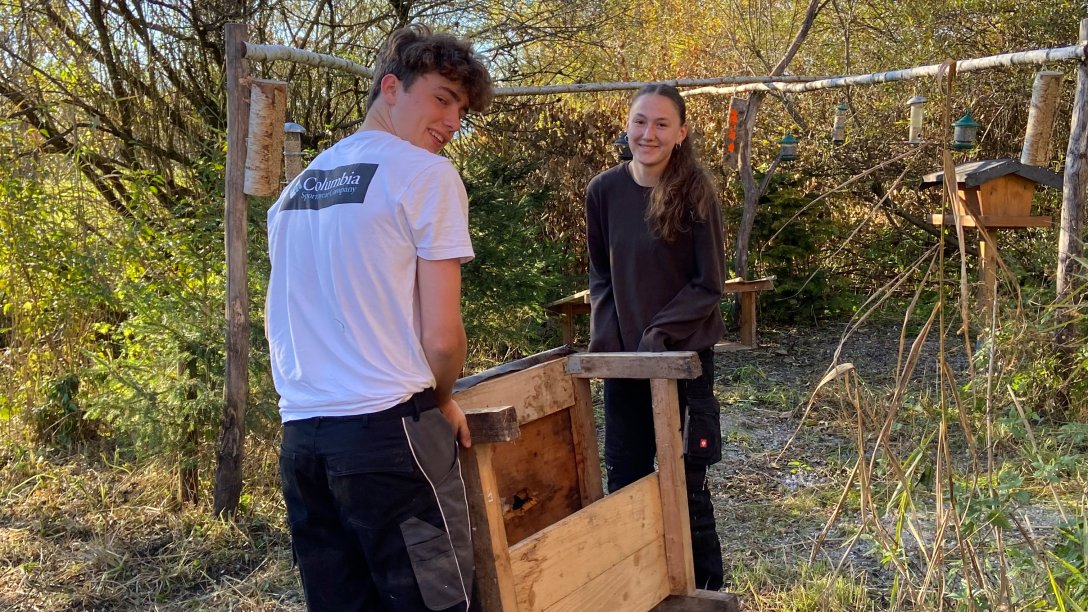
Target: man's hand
{"x": 453, "y": 413}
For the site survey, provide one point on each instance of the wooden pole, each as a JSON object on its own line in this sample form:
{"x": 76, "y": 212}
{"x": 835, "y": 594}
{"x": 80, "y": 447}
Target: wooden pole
{"x": 988, "y": 271}
{"x": 1070, "y": 235}
{"x": 228, "y": 475}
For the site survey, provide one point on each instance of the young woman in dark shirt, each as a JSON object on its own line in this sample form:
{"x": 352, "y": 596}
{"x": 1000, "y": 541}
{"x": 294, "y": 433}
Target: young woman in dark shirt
{"x": 656, "y": 268}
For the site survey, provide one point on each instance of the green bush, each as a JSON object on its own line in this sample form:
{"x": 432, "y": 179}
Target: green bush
{"x": 518, "y": 267}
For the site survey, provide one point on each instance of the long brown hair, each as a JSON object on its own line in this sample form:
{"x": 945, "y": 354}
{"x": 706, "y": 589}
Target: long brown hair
{"x": 685, "y": 191}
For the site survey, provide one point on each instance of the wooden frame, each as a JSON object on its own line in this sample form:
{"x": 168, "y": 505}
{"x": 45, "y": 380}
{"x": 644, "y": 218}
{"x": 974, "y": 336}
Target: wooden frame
{"x": 544, "y": 535}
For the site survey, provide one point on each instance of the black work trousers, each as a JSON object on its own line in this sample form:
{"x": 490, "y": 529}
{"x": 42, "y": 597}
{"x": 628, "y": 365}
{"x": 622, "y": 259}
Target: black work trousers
{"x": 630, "y": 449}
{"x": 377, "y": 510}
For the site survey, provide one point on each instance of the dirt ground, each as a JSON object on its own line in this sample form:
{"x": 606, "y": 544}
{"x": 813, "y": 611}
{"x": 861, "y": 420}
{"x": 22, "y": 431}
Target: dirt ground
{"x": 781, "y": 474}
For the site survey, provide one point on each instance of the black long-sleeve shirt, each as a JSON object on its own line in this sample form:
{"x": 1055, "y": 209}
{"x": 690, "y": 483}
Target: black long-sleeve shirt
{"x": 648, "y": 294}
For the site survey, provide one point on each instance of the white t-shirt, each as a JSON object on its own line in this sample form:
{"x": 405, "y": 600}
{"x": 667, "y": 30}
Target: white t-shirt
{"x": 342, "y": 313}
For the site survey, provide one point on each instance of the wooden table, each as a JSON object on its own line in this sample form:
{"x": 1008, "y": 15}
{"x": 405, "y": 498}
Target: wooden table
{"x": 749, "y": 291}
{"x": 566, "y": 308}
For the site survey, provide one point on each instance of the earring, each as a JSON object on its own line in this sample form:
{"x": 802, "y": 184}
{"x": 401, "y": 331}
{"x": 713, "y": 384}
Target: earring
{"x": 677, "y": 147}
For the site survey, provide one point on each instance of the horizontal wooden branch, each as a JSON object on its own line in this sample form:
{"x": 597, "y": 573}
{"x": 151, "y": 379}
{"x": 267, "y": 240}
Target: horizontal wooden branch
{"x": 540, "y": 90}
{"x": 711, "y": 85}
{"x": 672, "y": 365}
{"x": 301, "y": 56}
{"x": 1036, "y": 57}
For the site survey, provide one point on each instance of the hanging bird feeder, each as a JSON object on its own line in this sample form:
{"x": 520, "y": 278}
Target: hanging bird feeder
{"x": 838, "y": 130}
{"x": 966, "y": 130}
{"x": 292, "y": 150}
{"x": 624, "y": 147}
{"x": 788, "y": 148}
{"x": 916, "y": 113}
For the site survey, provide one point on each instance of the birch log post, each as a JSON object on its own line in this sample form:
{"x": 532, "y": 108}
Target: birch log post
{"x": 1045, "y": 94}
{"x": 264, "y": 141}
{"x": 1070, "y": 234}
{"x": 228, "y": 475}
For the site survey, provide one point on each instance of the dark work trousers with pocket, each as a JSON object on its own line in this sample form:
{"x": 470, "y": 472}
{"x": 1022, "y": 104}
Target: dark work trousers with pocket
{"x": 630, "y": 449}
{"x": 377, "y": 510}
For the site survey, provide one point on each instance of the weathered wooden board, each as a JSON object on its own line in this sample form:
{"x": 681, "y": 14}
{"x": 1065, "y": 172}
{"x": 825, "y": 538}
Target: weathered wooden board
{"x": 494, "y": 579}
{"x": 537, "y": 476}
{"x": 494, "y": 424}
{"x": 584, "y": 431}
{"x": 553, "y": 563}
{"x": 534, "y": 393}
{"x": 674, "y": 501}
{"x": 636, "y": 583}
{"x": 674, "y": 364}
{"x": 995, "y": 222}
{"x": 700, "y": 601}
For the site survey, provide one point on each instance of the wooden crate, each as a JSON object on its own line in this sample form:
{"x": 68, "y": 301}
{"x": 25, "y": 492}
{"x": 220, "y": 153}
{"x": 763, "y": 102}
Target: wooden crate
{"x": 545, "y": 537}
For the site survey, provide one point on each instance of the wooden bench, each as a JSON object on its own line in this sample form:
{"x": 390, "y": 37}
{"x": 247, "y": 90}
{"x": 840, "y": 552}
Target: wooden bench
{"x": 748, "y": 291}
{"x": 566, "y": 308}
{"x": 545, "y": 537}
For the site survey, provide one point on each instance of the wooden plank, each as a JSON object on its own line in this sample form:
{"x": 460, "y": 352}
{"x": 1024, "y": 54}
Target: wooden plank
{"x": 494, "y": 424}
{"x": 674, "y": 501}
{"x": 636, "y": 583}
{"x": 557, "y": 561}
{"x": 726, "y": 346}
{"x": 700, "y": 601}
{"x": 673, "y": 364}
{"x": 494, "y": 578}
{"x": 510, "y": 367}
{"x": 538, "y": 476}
{"x": 582, "y": 297}
{"x": 995, "y": 222}
{"x": 739, "y": 285}
{"x": 535, "y": 392}
{"x": 584, "y": 430}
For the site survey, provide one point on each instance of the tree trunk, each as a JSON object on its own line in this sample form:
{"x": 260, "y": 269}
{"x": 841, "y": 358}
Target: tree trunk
{"x": 752, "y": 191}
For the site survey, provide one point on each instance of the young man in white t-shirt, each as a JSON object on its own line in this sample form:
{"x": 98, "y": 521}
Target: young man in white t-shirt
{"x": 366, "y": 340}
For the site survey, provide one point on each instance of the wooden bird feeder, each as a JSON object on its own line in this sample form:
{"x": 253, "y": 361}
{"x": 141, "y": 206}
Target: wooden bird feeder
{"x": 995, "y": 194}
{"x": 545, "y": 537}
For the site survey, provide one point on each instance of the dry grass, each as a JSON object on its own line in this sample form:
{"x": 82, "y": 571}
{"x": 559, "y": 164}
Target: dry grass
{"x": 79, "y": 533}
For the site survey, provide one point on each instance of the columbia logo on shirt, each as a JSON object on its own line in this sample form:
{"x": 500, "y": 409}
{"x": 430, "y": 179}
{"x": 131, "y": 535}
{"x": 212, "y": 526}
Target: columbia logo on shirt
{"x": 317, "y": 189}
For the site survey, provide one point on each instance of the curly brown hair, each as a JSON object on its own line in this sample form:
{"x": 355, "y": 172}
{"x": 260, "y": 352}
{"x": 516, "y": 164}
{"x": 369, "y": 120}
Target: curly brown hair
{"x": 414, "y": 50}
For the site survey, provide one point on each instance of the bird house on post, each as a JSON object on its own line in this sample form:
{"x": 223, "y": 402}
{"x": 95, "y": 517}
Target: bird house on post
{"x": 995, "y": 194}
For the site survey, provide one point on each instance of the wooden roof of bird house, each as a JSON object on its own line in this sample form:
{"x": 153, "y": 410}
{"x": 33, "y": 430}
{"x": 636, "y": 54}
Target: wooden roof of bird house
{"x": 973, "y": 174}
